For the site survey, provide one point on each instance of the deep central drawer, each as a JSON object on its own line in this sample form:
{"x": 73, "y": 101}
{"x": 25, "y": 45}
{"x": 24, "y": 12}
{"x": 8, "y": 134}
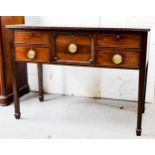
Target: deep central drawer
{"x": 73, "y": 47}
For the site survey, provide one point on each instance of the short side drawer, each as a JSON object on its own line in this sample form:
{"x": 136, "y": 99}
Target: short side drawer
{"x": 118, "y": 59}
{"x": 32, "y": 54}
{"x": 119, "y": 40}
{"x": 32, "y": 37}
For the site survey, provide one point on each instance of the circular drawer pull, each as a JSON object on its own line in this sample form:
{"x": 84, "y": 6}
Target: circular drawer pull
{"x": 117, "y": 59}
{"x": 72, "y": 48}
{"x": 31, "y": 54}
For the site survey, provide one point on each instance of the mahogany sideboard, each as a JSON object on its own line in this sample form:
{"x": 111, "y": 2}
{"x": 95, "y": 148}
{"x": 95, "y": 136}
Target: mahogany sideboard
{"x": 6, "y": 92}
{"x": 124, "y": 48}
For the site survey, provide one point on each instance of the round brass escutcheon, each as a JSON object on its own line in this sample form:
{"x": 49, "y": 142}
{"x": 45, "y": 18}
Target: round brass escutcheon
{"x": 72, "y": 48}
{"x": 31, "y": 54}
{"x": 117, "y": 59}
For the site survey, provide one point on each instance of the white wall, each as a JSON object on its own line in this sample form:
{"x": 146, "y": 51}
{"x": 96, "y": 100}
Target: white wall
{"x": 95, "y": 82}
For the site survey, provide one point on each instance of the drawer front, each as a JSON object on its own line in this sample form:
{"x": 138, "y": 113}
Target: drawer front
{"x": 32, "y": 37}
{"x": 71, "y": 48}
{"x": 119, "y": 40}
{"x": 32, "y": 54}
{"x": 119, "y": 59}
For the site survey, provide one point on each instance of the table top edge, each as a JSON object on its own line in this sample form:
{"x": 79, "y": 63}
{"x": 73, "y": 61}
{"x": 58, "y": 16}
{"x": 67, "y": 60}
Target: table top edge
{"x": 74, "y": 28}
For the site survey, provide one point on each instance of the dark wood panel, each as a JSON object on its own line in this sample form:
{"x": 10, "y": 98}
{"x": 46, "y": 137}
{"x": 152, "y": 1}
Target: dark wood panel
{"x": 6, "y": 95}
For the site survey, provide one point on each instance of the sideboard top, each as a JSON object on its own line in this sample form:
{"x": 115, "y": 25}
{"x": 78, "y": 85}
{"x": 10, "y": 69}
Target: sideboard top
{"x": 45, "y": 27}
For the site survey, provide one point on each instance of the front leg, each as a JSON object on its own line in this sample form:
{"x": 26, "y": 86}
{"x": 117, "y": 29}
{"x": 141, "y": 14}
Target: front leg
{"x": 40, "y": 82}
{"x": 140, "y": 100}
{"x": 146, "y": 71}
{"x": 14, "y": 78}
{"x": 142, "y": 84}
{"x": 15, "y": 91}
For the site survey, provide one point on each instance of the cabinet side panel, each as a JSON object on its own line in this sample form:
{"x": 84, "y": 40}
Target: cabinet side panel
{"x": 21, "y": 68}
{"x": 1, "y": 63}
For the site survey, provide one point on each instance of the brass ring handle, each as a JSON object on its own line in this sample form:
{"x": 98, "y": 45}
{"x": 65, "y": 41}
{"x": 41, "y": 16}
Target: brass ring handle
{"x": 72, "y": 48}
{"x": 117, "y": 59}
{"x": 31, "y": 54}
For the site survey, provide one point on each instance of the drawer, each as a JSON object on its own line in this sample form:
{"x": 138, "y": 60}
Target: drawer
{"x": 32, "y": 37}
{"x": 32, "y": 54}
{"x": 112, "y": 58}
{"x": 71, "y": 48}
{"x": 119, "y": 40}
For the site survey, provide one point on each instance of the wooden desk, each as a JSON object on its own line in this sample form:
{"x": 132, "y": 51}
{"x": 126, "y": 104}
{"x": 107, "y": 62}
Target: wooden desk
{"x": 81, "y": 46}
